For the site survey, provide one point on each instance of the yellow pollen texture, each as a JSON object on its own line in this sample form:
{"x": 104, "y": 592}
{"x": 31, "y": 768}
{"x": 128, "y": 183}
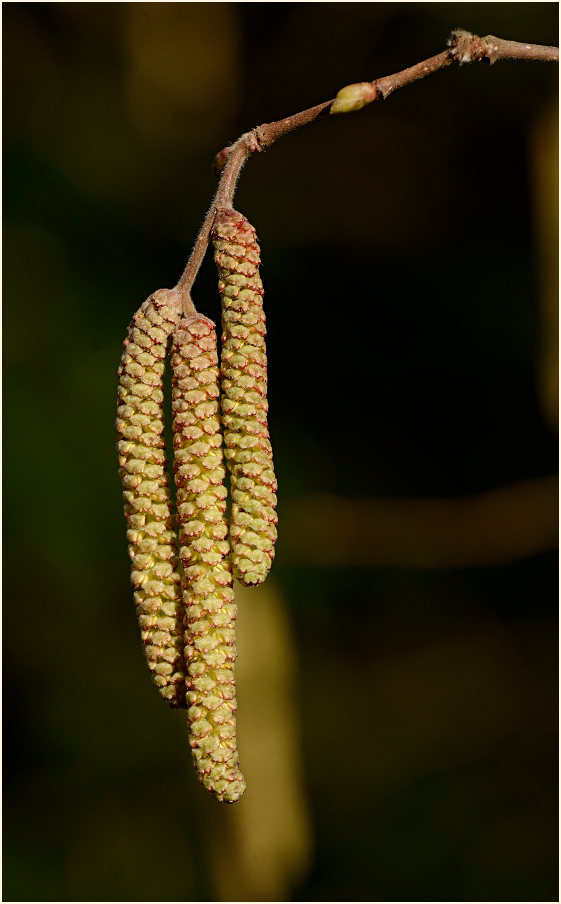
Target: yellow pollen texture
{"x": 148, "y": 507}
{"x": 244, "y": 403}
{"x": 204, "y": 550}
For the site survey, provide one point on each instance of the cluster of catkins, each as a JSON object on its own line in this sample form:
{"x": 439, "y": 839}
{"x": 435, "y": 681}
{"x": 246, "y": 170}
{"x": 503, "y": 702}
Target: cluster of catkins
{"x": 184, "y": 556}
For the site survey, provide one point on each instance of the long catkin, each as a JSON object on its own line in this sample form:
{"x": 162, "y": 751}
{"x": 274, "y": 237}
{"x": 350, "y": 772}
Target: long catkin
{"x": 204, "y": 549}
{"x": 148, "y": 506}
{"x": 244, "y": 398}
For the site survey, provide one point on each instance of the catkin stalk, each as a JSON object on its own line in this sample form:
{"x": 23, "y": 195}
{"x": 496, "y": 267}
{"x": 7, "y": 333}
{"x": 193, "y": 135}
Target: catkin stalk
{"x": 244, "y": 398}
{"x": 210, "y": 610}
{"x": 148, "y": 506}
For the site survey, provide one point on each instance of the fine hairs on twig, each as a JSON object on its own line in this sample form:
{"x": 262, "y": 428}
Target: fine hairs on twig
{"x": 234, "y": 158}
{"x": 184, "y": 562}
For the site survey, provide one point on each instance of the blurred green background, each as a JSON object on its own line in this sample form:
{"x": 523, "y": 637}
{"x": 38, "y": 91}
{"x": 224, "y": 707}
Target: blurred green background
{"x": 398, "y": 671}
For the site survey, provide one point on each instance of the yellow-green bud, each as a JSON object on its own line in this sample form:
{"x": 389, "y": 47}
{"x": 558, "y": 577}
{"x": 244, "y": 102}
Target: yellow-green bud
{"x": 244, "y": 398}
{"x": 210, "y": 611}
{"x": 148, "y": 506}
{"x": 354, "y": 97}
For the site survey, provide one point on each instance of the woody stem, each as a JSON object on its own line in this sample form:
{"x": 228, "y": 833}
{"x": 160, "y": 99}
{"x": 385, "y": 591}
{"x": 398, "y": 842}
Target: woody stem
{"x": 463, "y": 47}
{"x": 238, "y": 154}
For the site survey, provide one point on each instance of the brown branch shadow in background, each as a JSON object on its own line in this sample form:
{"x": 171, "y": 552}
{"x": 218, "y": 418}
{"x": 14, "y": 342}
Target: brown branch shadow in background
{"x": 489, "y": 528}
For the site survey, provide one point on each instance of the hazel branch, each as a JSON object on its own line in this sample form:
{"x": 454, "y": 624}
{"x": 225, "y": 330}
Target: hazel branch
{"x": 468, "y": 48}
{"x": 237, "y": 154}
{"x": 270, "y": 131}
{"x": 463, "y": 47}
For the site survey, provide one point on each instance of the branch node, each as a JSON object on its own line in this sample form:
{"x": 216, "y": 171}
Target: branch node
{"x": 465, "y": 47}
{"x": 254, "y": 142}
{"x": 220, "y": 160}
{"x": 492, "y": 50}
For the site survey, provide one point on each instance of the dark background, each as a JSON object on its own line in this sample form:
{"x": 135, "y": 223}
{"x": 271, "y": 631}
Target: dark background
{"x": 398, "y": 671}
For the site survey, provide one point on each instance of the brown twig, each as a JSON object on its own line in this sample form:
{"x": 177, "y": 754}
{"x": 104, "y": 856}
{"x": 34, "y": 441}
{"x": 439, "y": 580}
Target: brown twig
{"x": 468, "y": 48}
{"x": 390, "y": 83}
{"x": 270, "y": 131}
{"x": 463, "y": 47}
{"x": 238, "y": 153}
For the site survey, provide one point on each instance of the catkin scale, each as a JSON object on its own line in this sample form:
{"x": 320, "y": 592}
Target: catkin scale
{"x": 148, "y": 506}
{"x": 244, "y": 398}
{"x": 204, "y": 549}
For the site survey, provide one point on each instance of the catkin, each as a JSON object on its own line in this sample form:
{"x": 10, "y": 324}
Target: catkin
{"x": 204, "y": 549}
{"x": 148, "y": 507}
{"x": 244, "y": 398}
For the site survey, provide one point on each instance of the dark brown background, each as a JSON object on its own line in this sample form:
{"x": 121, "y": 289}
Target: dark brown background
{"x": 398, "y": 673}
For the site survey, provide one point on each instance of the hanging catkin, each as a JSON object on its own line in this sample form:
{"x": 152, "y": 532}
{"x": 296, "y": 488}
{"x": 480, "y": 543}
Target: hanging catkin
{"x": 210, "y": 611}
{"x": 148, "y": 508}
{"x": 244, "y": 398}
